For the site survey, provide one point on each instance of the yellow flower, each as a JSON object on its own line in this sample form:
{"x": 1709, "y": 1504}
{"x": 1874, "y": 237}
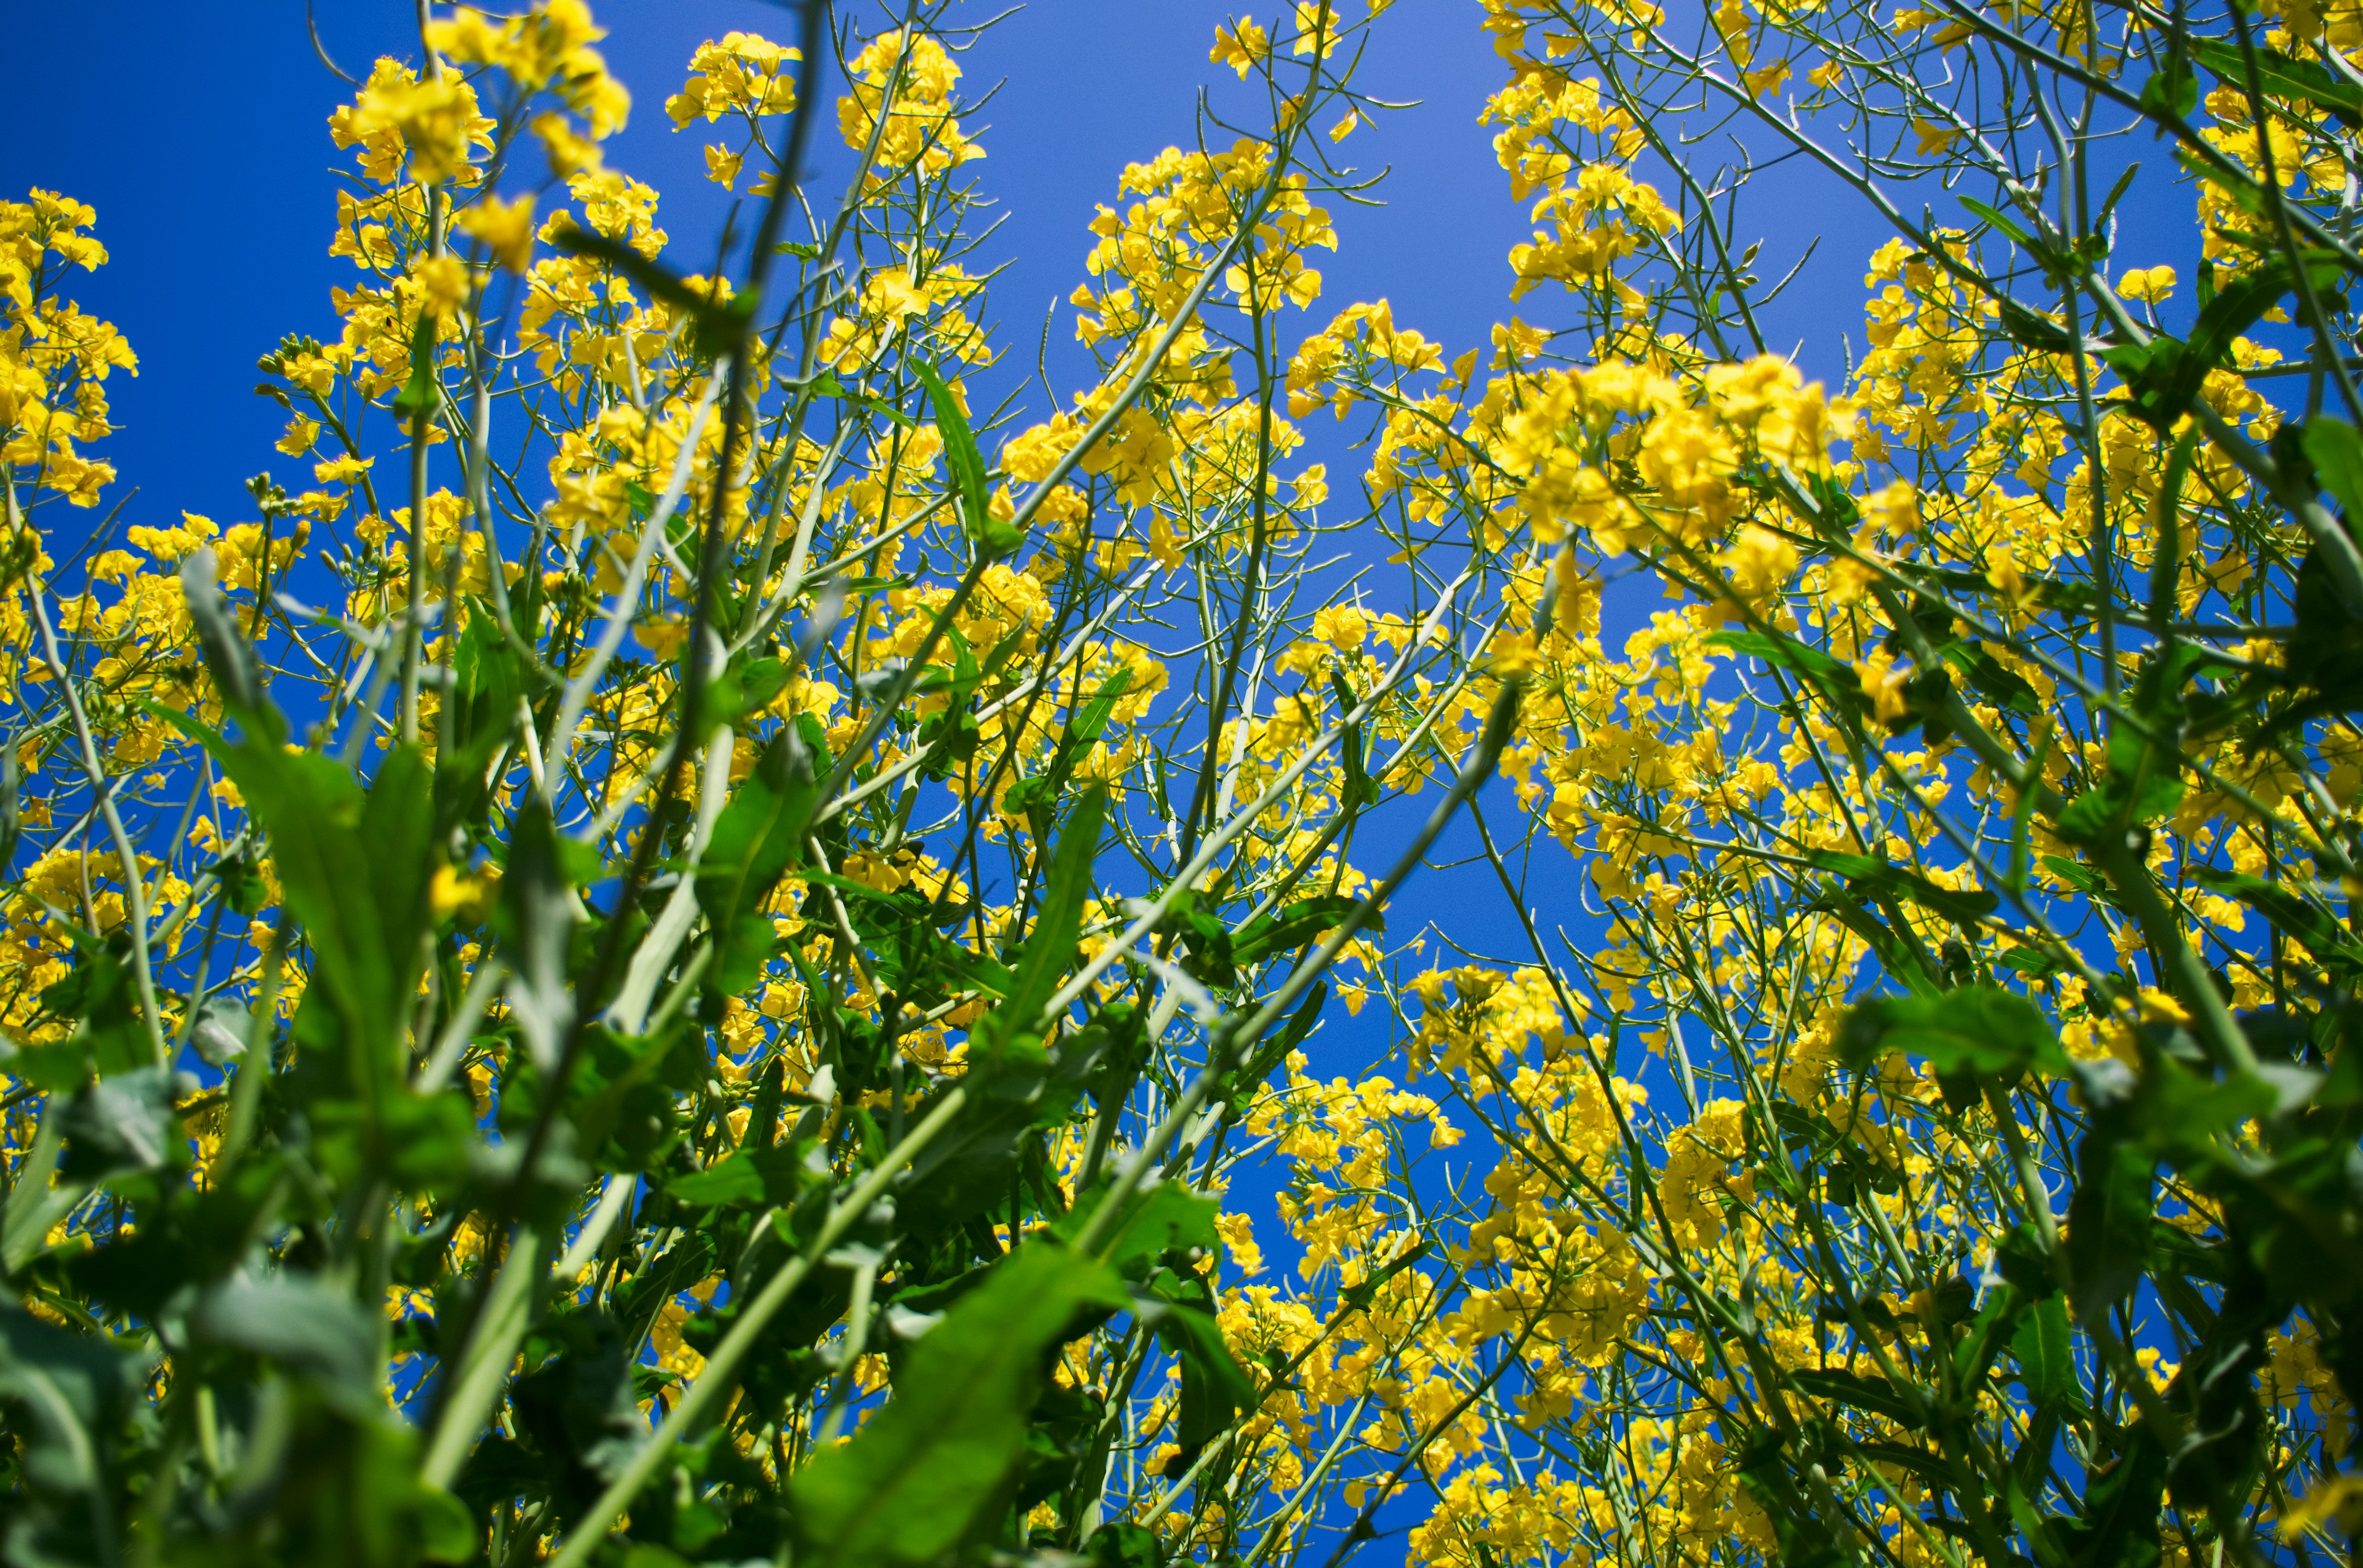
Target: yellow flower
{"x": 1934, "y": 137}
{"x": 2337, "y": 1502}
{"x": 743, "y": 73}
{"x": 2147, "y": 284}
{"x": 1515, "y": 657}
{"x": 468, "y": 894}
{"x": 1241, "y": 45}
{"x": 1316, "y": 20}
{"x": 569, "y": 151}
{"x": 1882, "y": 684}
{"x": 345, "y": 469}
{"x": 442, "y": 283}
{"x": 506, "y": 228}
{"x": 1342, "y": 626}
{"x": 434, "y": 123}
{"x": 300, "y": 435}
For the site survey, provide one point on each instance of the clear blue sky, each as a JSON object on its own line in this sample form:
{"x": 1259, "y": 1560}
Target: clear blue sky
{"x": 200, "y": 134}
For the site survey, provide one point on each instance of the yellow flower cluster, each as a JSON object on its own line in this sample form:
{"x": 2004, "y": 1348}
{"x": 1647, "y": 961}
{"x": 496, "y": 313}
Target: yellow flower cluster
{"x": 902, "y": 98}
{"x": 54, "y": 360}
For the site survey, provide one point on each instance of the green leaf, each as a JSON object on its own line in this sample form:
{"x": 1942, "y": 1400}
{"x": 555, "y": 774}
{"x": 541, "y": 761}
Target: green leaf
{"x": 304, "y": 1328}
{"x": 2336, "y": 453}
{"x": 122, "y": 1124}
{"x": 1362, "y": 1295}
{"x": 237, "y": 674}
{"x": 1993, "y": 680}
{"x": 826, "y": 385}
{"x": 446, "y": 1530}
{"x": 1978, "y": 1029}
{"x": 1124, "y": 1544}
{"x": 536, "y": 919}
{"x": 2299, "y": 81}
{"x": 1214, "y": 1389}
{"x": 99, "y": 992}
{"x": 1362, "y": 790}
{"x": 1785, "y": 651}
{"x": 420, "y": 393}
{"x": 935, "y": 1468}
{"x": 2144, "y": 780}
{"x": 1292, "y": 925}
{"x": 2165, "y": 374}
{"x": 2172, "y": 92}
{"x": 1169, "y": 1216}
{"x": 1767, "y": 1470}
{"x": 2047, "y": 1361}
{"x": 2083, "y": 878}
{"x": 966, "y": 463}
{"x": 733, "y": 1179}
{"x": 65, "y": 1394}
{"x": 2120, "y": 1528}
{"x": 716, "y": 326}
{"x": 2034, "y": 331}
{"x": 1051, "y": 949}
{"x": 2326, "y": 938}
{"x": 2109, "y": 1219}
{"x": 353, "y": 871}
{"x": 758, "y": 836}
{"x": 476, "y": 720}
{"x": 1874, "y": 1394}
{"x": 1964, "y": 908}
{"x": 2002, "y": 221}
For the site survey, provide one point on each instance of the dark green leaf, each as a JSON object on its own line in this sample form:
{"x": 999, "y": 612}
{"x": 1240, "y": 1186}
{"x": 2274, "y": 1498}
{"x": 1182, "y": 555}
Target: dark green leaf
{"x": 120, "y": 1125}
{"x": 2299, "y": 81}
{"x": 2336, "y": 451}
{"x": 536, "y": 921}
{"x": 1874, "y": 1394}
{"x": 966, "y": 463}
{"x": 68, "y": 1392}
{"x": 2109, "y": 1219}
{"x": 1786, "y": 652}
{"x": 758, "y": 835}
{"x": 1293, "y": 925}
{"x": 733, "y": 1179}
{"x": 419, "y": 395}
{"x": 716, "y": 323}
{"x": 1964, "y": 907}
{"x": 2046, "y": 1362}
{"x": 237, "y": 676}
{"x": 2002, "y": 222}
{"x": 1124, "y": 1544}
{"x": 1050, "y": 948}
{"x": 937, "y": 1466}
{"x": 304, "y": 1328}
{"x": 2326, "y": 938}
{"x": 1169, "y": 1216}
{"x": 1978, "y": 1029}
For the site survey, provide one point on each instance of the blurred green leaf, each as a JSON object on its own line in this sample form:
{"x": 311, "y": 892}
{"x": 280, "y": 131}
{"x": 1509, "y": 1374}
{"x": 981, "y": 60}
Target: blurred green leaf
{"x": 1978, "y": 1029}
{"x": 933, "y": 1470}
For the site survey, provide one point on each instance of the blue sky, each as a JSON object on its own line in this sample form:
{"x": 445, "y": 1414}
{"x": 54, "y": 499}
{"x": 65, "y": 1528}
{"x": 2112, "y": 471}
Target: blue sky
{"x": 203, "y": 143}
{"x": 202, "y": 140}
{"x": 200, "y": 134}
